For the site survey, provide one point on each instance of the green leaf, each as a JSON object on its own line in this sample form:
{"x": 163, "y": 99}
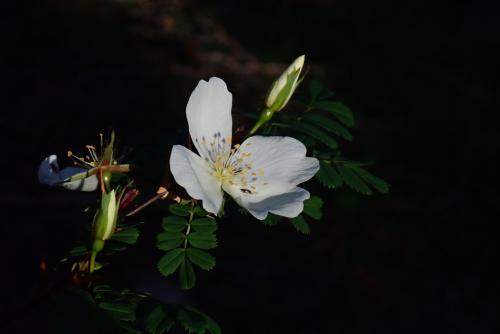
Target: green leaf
{"x": 192, "y": 322}
{"x": 169, "y": 263}
{"x": 202, "y": 240}
{"x": 199, "y": 211}
{"x": 154, "y": 320}
{"x": 120, "y": 311}
{"x": 375, "y": 182}
{"x": 102, "y": 288}
{"x": 271, "y": 220}
{"x": 169, "y": 240}
{"x": 318, "y": 91}
{"x": 200, "y": 258}
{"x": 300, "y": 224}
{"x": 127, "y": 235}
{"x": 328, "y": 176}
{"x": 180, "y": 210}
{"x": 186, "y": 275}
{"x": 315, "y": 89}
{"x": 338, "y": 109}
{"x": 204, "y": 225}
{"x": 353, "y": 180}
{"x": 314, "y": 132}
{"x": 78, "y": 250}
{"x": 210, "y": 324}
{"x": 174, "y": 223}
{"x": 328, "y": 124}
{"x": 312, "y": 207}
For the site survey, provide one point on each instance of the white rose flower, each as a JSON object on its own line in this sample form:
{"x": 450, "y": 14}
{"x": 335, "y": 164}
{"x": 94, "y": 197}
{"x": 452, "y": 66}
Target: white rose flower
{"x": 261, "y": 174}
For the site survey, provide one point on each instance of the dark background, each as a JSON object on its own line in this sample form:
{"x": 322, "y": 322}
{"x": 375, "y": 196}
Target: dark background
{"x": 420, "y": 79}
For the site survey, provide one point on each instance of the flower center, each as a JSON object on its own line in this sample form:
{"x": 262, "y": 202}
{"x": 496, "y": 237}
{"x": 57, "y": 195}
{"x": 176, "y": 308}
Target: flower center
{"x": 233, "y": 169}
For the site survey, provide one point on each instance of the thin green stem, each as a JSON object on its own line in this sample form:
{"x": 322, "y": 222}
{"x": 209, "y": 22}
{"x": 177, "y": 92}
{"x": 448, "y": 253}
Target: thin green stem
{"x": 265, "y": 117}
{"x": 92, "y": 261}
{"x": 188, "y": 230}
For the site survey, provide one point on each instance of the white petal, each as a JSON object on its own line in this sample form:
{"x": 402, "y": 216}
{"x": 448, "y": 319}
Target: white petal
{"x": 48, "y": 172}
{"x": 289, "y": 204}
{"x": 88, "y": 184}
{"x": 194, "y": 174}
{"x": 209, "y": 117}
{"x": 275, "y": 166}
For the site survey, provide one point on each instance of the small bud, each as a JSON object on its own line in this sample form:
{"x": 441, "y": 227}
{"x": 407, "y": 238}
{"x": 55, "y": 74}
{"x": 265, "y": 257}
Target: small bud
{"x": 128, "y": 198}
{"x": 105, "y": 223}
{"x": 283, "y": 88}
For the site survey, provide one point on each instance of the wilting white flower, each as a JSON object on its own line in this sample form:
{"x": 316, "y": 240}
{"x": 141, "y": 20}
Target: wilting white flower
{"x": 50, "y": 174}
{"x": 84, "y": 176}
{"x": 261, "y": 174}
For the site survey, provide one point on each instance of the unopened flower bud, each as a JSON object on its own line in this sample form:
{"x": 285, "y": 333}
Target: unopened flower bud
{"x": 283, "y": 88}
{"x": 128, "y": 197}
{"x": 105, "y": 223}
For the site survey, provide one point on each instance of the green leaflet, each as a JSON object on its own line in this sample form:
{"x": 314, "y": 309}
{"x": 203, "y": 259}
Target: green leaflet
{"x": 353, "y": 180}
{"x": 328, "y": 175}
{"x": 199, "y": 211}
{"x": 314, "y": 132}
{"x": 187, "y": 275}
{"x": 174, "y": 223}
{"x": 169, "y": 240}
{"x": 300, "y": 224}
{"x": 377, "y": 183}
{"x": 179, "y": 210}
{"x": 327, "y": 124}
{"x": 313, "y": 206}
{"x": 169, "y": 263}
{"x": 121, "y": 311}
{"x": 338, "y": 109}
{"x": 204, "y": 225}
{"x": 271, "y": 220}
{"x": 200, "y": 258}
{"x": 78, "y": 250}
{"x": 202, "y": 240}
{"x": 155, "y": 319}
{"x": 317, "y": 91}
{"x": 127, "y": 235}
{"x": 210, "y": 324}
{"x": 191, "y": 321}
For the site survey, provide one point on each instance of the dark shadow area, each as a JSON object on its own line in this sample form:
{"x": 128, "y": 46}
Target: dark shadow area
{"x": 422, "y": 82}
